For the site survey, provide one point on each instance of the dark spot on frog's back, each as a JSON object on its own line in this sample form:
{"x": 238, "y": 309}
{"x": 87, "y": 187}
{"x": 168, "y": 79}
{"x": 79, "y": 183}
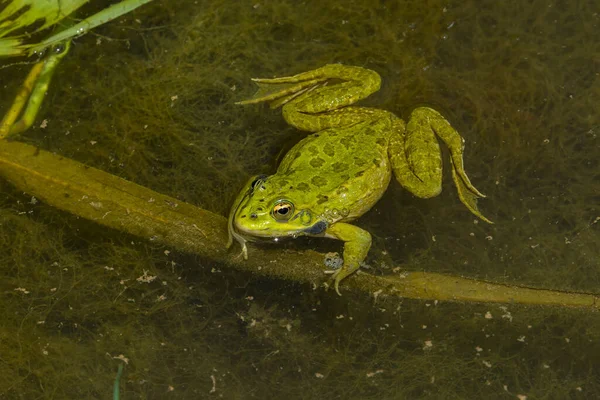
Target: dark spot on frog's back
{"x": 322, "y": 199}
{"x": 318, "y": 181}
{"x": 313, "y": 150}
{"x": 338, "y": 167}
{"x": 347, "y": 141}
{"x": 329, "y": 149}
{"x": 303, "y": 187}
{"x": 360, "y": 162}
{"x": 316, "y": 162}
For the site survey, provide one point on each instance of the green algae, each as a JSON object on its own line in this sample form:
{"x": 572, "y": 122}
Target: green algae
{"x": 152, "y": 101}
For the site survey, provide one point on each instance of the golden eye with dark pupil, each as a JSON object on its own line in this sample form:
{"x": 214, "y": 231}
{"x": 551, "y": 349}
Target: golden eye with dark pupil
{"x": 282, "y": 210}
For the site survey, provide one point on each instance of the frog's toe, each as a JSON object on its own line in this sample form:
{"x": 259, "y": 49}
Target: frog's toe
{"x": 334, "y": 279}
{"x": 336, "y": 286}
{"x": 468, "y": 195}
{"x": 279, "y": 91}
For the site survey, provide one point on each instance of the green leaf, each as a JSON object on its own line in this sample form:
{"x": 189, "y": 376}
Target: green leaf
{"x": 19, "y": 14}
{"x": 51, "y": 11}
{"x": 102, "y": 17}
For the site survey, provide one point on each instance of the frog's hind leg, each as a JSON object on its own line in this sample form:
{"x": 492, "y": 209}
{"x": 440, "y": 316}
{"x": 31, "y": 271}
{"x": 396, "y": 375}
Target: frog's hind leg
{"x": 355, "y": 83}
{"x": 280, "y": 93}
{"x": 332, "y": 87}
{"x": 422, "y": 155}
{"x": 415, "y": 156}
{"x": 467, "y": 193}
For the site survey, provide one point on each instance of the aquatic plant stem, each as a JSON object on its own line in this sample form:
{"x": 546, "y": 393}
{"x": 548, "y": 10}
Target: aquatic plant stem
{"x": 32, "y": 92}
{"x": 116, "y": 394}
{"x": 119, "y": 204}
{"x": 13, "y": 113}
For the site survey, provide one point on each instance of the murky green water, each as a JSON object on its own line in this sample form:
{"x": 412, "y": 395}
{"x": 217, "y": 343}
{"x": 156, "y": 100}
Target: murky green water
{"x": 151, "y": 98}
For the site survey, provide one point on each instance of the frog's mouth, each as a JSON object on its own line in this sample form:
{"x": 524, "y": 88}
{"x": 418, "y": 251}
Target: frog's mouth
{"x": 243, "y": 235}
{"x": 265, "y": 235}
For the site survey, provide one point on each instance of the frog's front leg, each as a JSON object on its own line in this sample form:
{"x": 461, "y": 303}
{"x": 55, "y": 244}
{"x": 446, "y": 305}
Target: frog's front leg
{"x": 357, "y": 242}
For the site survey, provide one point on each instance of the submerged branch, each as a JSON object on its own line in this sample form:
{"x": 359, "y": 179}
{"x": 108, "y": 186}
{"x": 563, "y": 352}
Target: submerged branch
{"x": 126, "y": 206}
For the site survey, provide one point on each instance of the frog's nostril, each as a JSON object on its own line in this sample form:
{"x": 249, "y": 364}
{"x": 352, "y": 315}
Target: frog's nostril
{"x": 253, "y": 216}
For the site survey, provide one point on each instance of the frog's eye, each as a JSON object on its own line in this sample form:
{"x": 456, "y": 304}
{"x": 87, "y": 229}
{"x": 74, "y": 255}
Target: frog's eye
{"x": 282, "y": 210}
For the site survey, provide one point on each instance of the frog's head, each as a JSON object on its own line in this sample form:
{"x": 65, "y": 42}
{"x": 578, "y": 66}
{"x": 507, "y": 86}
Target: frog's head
{"x": 260, "y": 212}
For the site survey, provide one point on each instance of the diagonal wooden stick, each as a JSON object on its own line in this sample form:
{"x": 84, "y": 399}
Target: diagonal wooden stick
{"x": 126, "y": 206}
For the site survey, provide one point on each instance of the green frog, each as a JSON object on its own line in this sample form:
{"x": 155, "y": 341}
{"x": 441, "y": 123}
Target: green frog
{"x": 339, "y": 172}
